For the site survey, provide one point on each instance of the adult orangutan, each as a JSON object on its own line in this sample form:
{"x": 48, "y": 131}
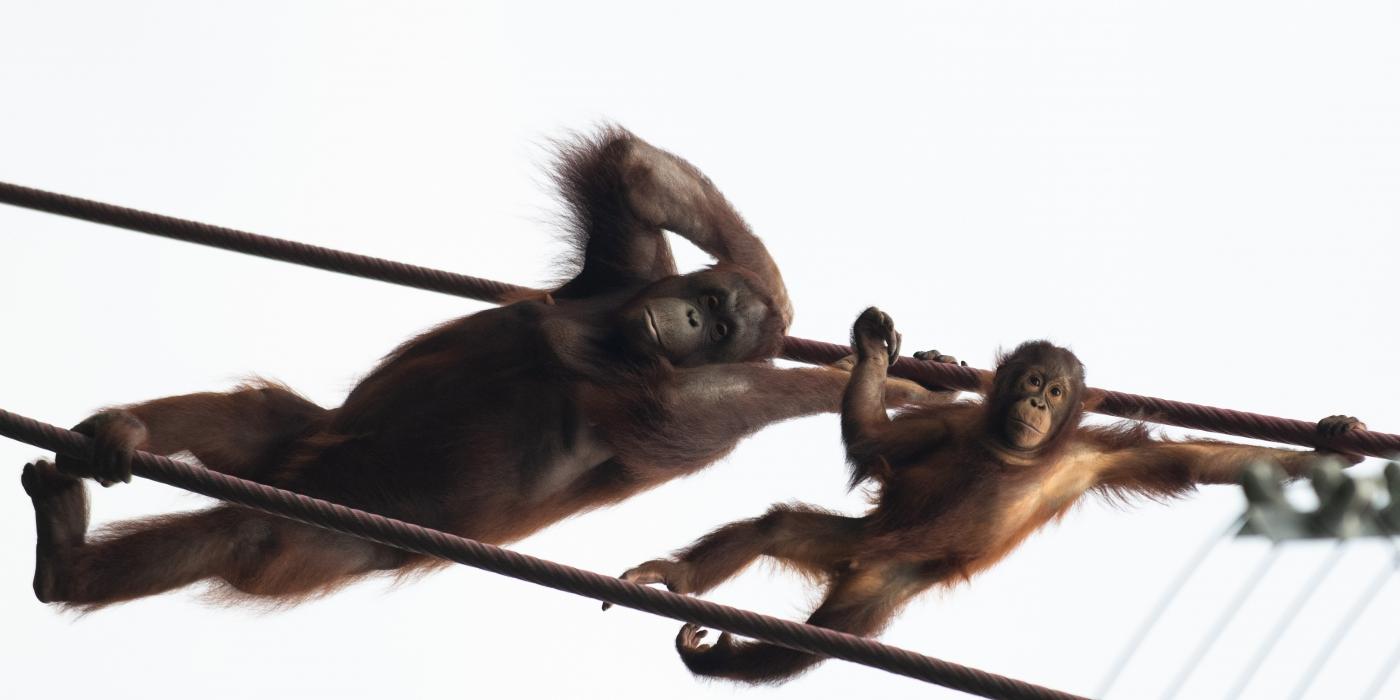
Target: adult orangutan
{"x": 490, "y": 426}
{"x": 959, "y": 487}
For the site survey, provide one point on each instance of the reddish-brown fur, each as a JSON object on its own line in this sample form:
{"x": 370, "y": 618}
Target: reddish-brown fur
{"x": 490, "y": 426}
{"x": 955, "y": 494}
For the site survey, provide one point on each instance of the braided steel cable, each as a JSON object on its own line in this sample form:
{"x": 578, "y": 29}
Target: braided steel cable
{"x": 413, "y": 538}
{"x": 1125, "y": 405}
{"x": 1113, "y": 403}
{"x": 261, "y": 246}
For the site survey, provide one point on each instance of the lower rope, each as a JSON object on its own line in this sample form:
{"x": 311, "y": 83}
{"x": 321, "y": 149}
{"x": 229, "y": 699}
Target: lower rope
{"x": 406, "y": 536}
{"x": 933, "y": 374}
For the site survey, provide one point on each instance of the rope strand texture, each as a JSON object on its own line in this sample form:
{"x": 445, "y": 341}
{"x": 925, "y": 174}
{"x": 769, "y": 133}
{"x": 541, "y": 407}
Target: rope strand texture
{"x": 1114, "y": 403}
{"x": 1132, "y": 406}
{"x": 396, "y": 533}
{"x": 261, "y": 246}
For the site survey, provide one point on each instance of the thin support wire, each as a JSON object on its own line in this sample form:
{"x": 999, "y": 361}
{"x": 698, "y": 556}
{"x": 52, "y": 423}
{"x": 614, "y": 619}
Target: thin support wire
{"x": 1387, "y": 669}
{"x": 1344, "y": 627}
{"x": 1287, "y": 617}
{"x": 1163, "y": 603}
{"x": 1223, "y": 621}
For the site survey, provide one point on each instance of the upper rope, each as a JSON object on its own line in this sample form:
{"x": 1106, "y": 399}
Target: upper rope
{"x": 949, "y": 376}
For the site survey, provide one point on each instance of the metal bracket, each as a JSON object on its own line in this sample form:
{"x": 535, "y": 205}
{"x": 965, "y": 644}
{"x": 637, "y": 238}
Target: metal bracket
{"x": 1390, "y": 515}
{"x": 1347, "y": 507}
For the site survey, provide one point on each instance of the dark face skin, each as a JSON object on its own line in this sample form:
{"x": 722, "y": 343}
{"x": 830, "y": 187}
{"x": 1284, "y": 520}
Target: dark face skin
{"x": 1039, "y": 389}
{"x": 707, "y": 317}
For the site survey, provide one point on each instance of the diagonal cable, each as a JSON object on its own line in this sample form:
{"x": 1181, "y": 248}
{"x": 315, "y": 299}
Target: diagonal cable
{"x": 1222, "y": 622}
{"x": 1339, "y": 633}
{"x": 1164, "y": 603}
{"x": 413, "y": 538}
{"x": 1286, "y": 619}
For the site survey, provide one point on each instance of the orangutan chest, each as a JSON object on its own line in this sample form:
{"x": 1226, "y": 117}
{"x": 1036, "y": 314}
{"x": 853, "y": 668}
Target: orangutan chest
{"x": 1035, "y": 501}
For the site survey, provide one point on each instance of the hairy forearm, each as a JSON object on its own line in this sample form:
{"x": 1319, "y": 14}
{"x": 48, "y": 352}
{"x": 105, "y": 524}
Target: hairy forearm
{"x": 1174, "y": 467}
{"x": 1224, "y": 463}
{"x": 863, "y": 403}
{"x": 668, "y": 192}
{"x": 766, "y": 393}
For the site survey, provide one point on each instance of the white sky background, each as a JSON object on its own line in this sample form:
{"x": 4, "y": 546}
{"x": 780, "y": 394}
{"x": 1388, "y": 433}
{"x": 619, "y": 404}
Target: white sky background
{"x": 1201, "y": 198}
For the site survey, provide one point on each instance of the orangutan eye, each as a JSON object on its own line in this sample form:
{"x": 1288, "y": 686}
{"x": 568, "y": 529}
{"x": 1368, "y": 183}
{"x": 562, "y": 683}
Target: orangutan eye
{"x": 721, "y": 330}
{"x": 1034, "y": 381}
{"x": 1056, "y": 391}
{"x": 711, "y": 302}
